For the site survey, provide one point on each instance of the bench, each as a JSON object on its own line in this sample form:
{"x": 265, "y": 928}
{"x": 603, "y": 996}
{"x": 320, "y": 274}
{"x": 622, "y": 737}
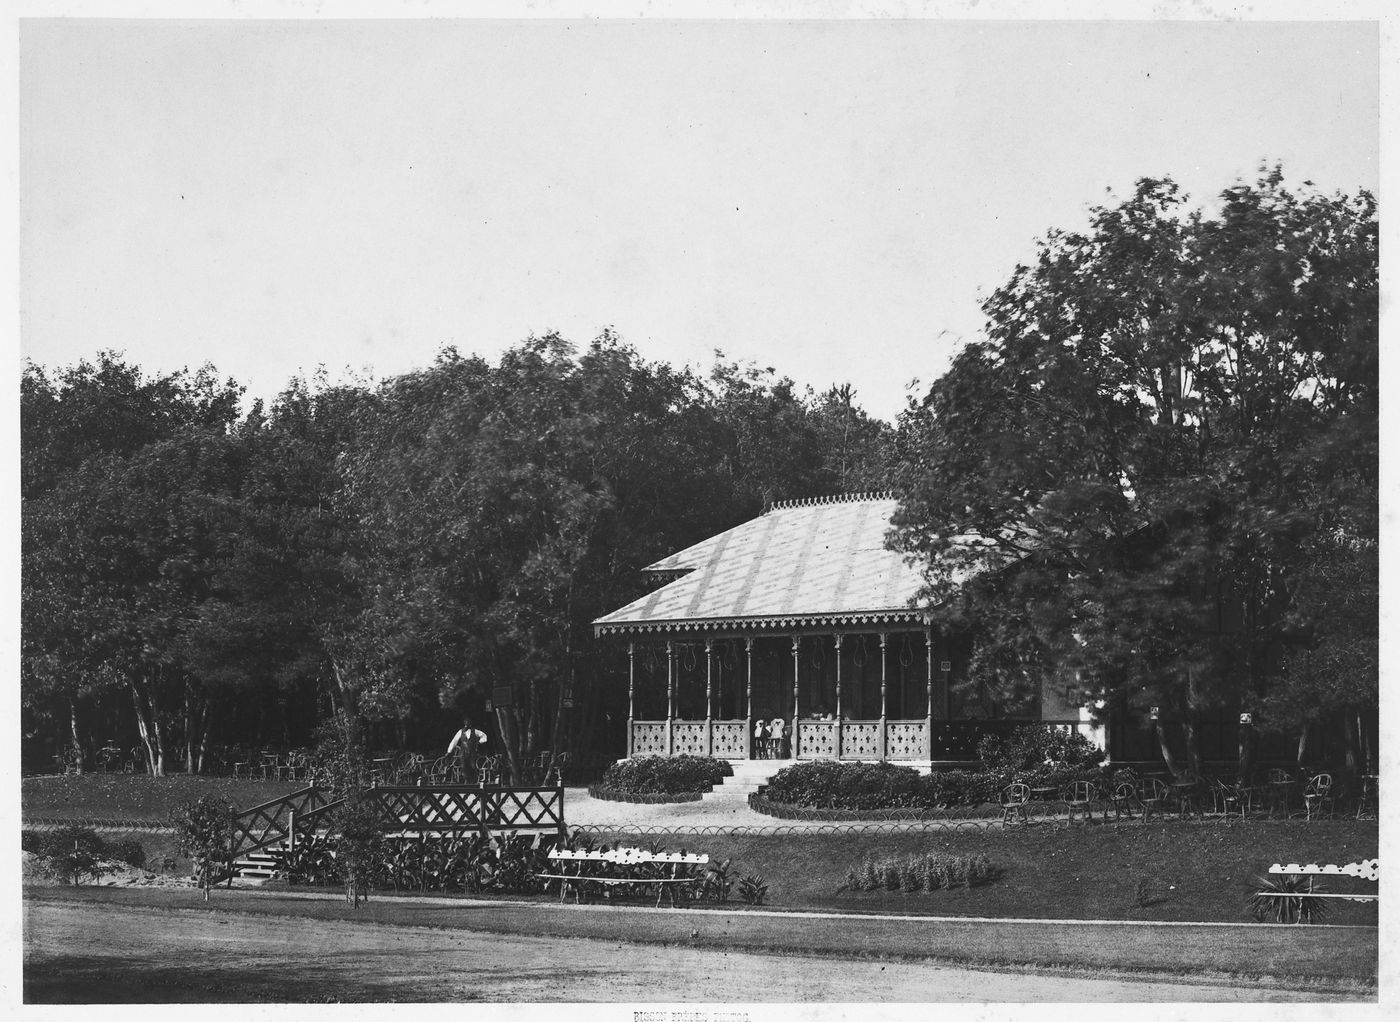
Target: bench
{"x": 1369, "y": 869}
{"x": 634, "y": 867}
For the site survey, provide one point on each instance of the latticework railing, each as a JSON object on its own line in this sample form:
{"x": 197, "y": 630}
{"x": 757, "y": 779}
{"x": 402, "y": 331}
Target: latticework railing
{"x": 270, "y": 822}
{"x": 728, "y": 739}
{"x": 455, "y": 809}
{"x": 816, "y": 739}
{"x": 649, "y": 738}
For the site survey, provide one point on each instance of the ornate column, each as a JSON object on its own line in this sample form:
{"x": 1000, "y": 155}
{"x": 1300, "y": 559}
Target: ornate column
{"x": 796, "y": 672}
{"x": 709, "y": 720}
{"x": 928, "y": 726}
{"x": 884, "y": 682}
{"x": 631, "y": 688}
{"x": 838, "y": 638}
{"x": 670, "y": 698}
{"x": 748, "y": 698}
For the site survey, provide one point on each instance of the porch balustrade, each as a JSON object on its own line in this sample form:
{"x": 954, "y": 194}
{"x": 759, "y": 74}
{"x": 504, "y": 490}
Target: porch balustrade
{"x": 822, "y": 739}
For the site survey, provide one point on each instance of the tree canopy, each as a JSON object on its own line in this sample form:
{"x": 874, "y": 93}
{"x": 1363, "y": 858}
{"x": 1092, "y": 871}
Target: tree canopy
{"x": 1170, "y": 425}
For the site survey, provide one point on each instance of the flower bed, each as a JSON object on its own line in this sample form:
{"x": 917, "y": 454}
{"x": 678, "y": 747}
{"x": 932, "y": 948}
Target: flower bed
{"x": 677, "y": 778}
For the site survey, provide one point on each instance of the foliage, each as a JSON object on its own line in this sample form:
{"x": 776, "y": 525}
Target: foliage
{"x": 663, "y": 775}
{"x": 357, "y": 831}
{"x": 206, "y": 830}
{"x": 68, "y": 853}
{"x": 339, "y": 761}
{"x": 752, "y": 889}
{"x": 311, "y": 861}
{"x": 1275, "y": 899}
{"x": 1034, "y": 746}
{"x": 1121, "y": 488}
{"x": 921, "y": 873}
{"x": 717, "y": 882}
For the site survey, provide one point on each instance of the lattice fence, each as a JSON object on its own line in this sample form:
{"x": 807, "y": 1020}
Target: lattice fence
{"x": 648, "y": 738}
{"x": 860, "y": 739}
{"x": 689, "y": 739}
{"x": 907, "y": 740}
{"x": 816, "y": 739}
{"x": 729, "y": 739}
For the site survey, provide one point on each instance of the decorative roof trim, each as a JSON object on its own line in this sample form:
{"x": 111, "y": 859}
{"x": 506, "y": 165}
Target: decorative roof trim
{"x": 835, "y": 498}
{"x": 867, "y": 617}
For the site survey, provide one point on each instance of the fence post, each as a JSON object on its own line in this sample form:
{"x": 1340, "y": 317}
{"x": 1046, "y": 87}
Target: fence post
{"x": 292, "y": 830}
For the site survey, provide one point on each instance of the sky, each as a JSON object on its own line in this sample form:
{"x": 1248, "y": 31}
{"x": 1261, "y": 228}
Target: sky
{"x": 832, "y": 198}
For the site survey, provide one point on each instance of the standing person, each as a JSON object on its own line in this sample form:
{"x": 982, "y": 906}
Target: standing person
{"x": 465, "y": 743}
{"x": 779, "y": 737}
{"x": 760, "y": 739}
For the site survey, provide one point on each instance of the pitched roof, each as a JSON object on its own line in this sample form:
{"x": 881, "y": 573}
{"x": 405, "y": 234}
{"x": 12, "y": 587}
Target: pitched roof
{"x": 804, "y": 562}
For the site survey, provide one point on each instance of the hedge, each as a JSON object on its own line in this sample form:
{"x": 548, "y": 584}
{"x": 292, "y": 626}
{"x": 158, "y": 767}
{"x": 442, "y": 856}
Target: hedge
{"x": 665, "y": 775}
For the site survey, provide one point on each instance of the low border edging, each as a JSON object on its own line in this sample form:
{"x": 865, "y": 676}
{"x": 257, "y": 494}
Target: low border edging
{"x": 609, "y": 795}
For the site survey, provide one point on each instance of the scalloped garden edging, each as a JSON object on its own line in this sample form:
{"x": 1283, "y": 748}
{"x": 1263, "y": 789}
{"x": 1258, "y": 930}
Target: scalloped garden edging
{"x": 611, "y": 795}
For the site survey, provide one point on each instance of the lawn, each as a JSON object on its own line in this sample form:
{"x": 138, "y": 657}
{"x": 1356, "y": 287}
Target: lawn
{"x": 1200, "y": 871}
{"x": 1189, "y": 871}
{"x": 136, "y": 797}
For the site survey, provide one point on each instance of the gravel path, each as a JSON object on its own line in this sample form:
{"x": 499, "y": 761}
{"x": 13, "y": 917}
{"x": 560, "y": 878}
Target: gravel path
{"x": 94, "y": 953}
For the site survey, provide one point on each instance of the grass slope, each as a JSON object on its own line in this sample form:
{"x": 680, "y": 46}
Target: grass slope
{"x": 136, "y": 797}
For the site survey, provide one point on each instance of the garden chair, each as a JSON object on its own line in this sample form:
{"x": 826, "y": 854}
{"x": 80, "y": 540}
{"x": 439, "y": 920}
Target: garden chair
{"x": 1123, "y": 795}
{"x": 443, "y": 769}
{"x": 488, "y": 770}
{"x": 1080, "y": 796}
{"x": 1318, "y": 795}
{"x": 1013, "y": 801}
{"x": 1226, "y": 798}
{"x": 556, "y": 770}
{"x": 1152, "y": 794}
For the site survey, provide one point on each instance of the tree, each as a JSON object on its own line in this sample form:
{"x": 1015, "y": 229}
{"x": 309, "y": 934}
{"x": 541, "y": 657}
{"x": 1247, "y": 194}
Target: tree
{"x": 76, "y": 425}
{"x": 206, "y": 830}
{"x": 1121, "y": 485}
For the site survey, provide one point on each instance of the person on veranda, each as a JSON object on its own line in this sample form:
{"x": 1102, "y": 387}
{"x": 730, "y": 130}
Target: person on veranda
{"x": 464, "y": 745}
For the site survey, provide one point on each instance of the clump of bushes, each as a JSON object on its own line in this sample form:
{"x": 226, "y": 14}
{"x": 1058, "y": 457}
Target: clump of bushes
{"x": 920, "y": 874}
{"x": 827, "y": 784}
{"x": 1036, "y": 754}
{"x": 1040, "y": 754}
{"x": 72, "y": 854}
{"x": 663, "y": 775}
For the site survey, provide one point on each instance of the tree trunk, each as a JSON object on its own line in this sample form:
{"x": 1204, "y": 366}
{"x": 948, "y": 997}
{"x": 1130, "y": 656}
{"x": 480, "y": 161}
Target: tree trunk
{"x": 1246, "y": 750}
{"x": 1348, "y": 722}
{"x": 1164, "y": 747}
{"x": 1193, "y": 745}
{"x": 149, "y": 725}
{"x": 76, "y": 735}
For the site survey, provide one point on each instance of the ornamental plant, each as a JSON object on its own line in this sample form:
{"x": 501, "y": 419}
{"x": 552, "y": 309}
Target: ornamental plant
{"x": 206, "y": 830}
{"x": 665, "y": 775}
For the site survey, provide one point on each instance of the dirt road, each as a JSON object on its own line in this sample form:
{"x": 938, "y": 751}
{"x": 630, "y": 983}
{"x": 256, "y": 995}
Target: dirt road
{"x": 126, "y": 954}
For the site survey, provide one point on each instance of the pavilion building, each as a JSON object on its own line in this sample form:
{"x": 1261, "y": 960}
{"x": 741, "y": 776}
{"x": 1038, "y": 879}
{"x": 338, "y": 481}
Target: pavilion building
{"x": 804, "y": 615}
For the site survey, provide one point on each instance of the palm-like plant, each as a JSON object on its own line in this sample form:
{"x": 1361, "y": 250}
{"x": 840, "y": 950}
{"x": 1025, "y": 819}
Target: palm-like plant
{"x": 1279, "y": 899}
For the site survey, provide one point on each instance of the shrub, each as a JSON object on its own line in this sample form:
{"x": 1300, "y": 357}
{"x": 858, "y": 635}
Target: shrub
{"x": 131, "y": 852}
{"x": 359, "y": 846}
{"x": 68, "y": 854}
{"x": 1276, "y": 899}
{"x": 827, "y": 784}
{"x": 752, "y": 889}
{"x": 665, "y": 775}
{"x": 206, "y": 833}
{"x": 926, "y": 873}
{"x": 1037, "y": 751}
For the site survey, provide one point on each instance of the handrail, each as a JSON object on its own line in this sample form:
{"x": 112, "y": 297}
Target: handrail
{"x": 453, "y": 807}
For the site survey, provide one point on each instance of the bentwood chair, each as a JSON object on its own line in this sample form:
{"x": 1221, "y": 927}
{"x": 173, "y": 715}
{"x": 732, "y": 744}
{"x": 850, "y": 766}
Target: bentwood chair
{"x": 1152, "y": 795}
{"x": 1318, "y": 795}
{"x": 1080, "y": 796}
{"x": 1013, "y": 801}
{"x": 1122, "y": 797}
